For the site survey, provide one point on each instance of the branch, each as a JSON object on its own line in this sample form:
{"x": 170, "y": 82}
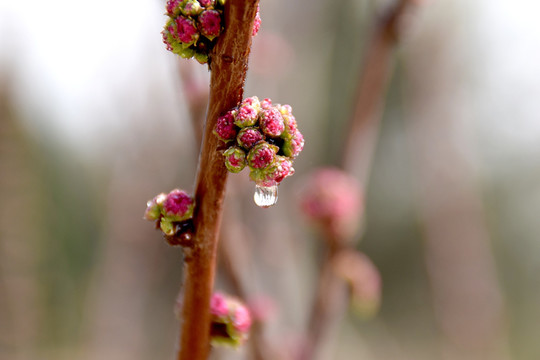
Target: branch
{"x": 229, "y": 63}
{"x": 370, "y": 93}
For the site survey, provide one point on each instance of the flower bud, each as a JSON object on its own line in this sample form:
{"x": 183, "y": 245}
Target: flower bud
{"x": 261, "y": 155}
{"x": 153, "y": 207}
{"x": 364, "y": 281}
{"x": 248, "y": 137}
{"x": 173, "y": 7}
{"x": 256, "y": 23}
{"x": 225, "y": 128}
{"x": 271, "y": 122}
{"x": 210, "y": 23}
{"x": 191, "y": 8}
{"x": 333, "y": 198}
{"x": 186, "y": 31}
{"x": 207, "y": 3}
{"x": 293, "y": 146}
{"x": 178, "y": 206}
{"x": 247, "y": 113}
{"x": 231, "y": 321}
{"x": 235, "y": 159}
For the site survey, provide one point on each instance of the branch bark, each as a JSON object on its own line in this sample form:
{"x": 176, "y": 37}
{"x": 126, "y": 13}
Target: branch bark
{"x": 228, "y": 63}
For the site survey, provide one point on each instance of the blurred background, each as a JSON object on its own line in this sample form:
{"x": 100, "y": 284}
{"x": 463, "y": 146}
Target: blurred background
{"x": 95, "y": 120}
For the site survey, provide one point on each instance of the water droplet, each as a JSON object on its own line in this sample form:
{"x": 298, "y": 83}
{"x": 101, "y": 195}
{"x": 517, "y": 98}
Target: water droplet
{"x": 265, "y": 196}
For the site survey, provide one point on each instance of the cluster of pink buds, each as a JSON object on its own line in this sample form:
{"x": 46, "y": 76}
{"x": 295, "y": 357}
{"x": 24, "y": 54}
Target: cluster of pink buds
{"x": 262, "y": 136}
{"x": 194, "y": 25}
{"x": 332, "y": 198}
{"x": 171, "y": 211}
{"x": 231, "y": 320}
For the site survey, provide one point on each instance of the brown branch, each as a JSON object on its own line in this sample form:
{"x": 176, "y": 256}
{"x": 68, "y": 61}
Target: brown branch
{"x": 229, "y": 63}
{"x": 357, "y": 155}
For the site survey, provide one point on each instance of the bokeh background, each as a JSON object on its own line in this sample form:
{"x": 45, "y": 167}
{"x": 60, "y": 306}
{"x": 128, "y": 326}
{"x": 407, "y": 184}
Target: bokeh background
{"x": 94, "y": 121}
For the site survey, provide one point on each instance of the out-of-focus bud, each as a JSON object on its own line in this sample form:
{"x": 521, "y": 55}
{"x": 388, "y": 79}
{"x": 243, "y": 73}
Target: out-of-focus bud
{"x": 333, "y": 199}
{"x": 235, "y": 159}
{"x": 364, "y": 281}
{"x": 231, "y": 321}
{"x": 153, "y": 207}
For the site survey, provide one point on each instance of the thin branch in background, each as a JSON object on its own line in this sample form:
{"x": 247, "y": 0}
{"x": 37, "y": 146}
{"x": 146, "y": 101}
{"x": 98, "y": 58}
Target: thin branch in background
{"x": 228, "y": 62}
{"x": 357, "y": 155}
{"x": 359, "y": 146}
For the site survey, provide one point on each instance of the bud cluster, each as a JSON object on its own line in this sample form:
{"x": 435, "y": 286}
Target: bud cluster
{"x": 170, "y": 211}
{"x": 263, "y": 136}
{"x": 194, "y": 25}
{"x": 231, "y": 320}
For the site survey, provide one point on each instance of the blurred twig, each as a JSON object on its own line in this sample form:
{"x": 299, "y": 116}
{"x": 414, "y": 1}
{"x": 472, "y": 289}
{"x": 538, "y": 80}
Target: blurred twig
{"x": 356, "y": 157}
{"x": 376, "y": 71}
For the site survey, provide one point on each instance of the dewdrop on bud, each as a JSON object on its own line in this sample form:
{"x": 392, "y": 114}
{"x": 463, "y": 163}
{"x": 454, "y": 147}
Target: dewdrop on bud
{"x": 230, "y": 321}
{"x": 235, "y": 159}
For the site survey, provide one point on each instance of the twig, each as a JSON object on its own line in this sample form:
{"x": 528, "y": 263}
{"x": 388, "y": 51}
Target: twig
{"x": 376, "y": 71}
{"x": 373, "y": 80}
{"x": 229, "y": 63}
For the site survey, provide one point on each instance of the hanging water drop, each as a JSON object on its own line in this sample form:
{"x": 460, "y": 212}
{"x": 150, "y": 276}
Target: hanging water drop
{"x": 265, "y": 196}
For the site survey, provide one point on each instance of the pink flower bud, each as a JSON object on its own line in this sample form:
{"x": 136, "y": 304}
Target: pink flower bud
{"x": 266, "y": 104}
{"x": 231, "y": 321}
{"x": 248, "y": 112}
{"x": 210, "y": 23}
{"x": 293, "y": 146}
{"x": 256, "y": 23}
{"x": 218, "y": 305}
{"x": 248, "y": 137}
{"x": 173, "y": 7}
{"x": 333, "y": 198}
{"x": 178, "y": 206}
{"x": 271, "y": 122}
{"x": 225, "y": 128}
{"x": 235, "y": 159}
{"x": 261, "y": 155}
{"x": 207, "y": 3}
{"x": 241, "y": 319}
{"x": 186, "y": 31}
{"x": 191, "y": 8}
